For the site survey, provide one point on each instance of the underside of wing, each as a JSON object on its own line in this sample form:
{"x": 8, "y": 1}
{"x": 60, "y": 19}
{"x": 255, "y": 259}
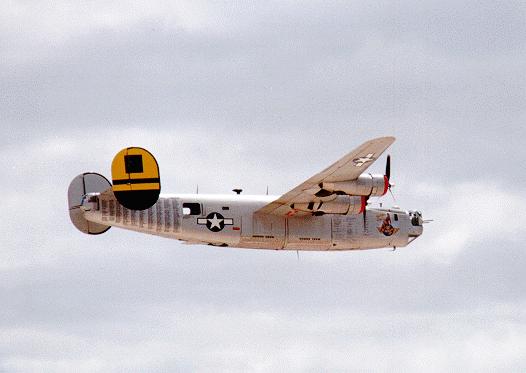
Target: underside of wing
{"x": 340, "y": 188}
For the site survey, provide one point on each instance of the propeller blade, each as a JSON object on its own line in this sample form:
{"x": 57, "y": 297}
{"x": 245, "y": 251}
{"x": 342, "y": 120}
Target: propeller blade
{"x": 392, "y": 195}
{"x": 388, "y": 176}
{"x": 388, "y": 167}
{"x": 365, "y": 214}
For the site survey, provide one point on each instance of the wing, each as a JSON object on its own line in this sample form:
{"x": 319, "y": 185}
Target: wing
{"x": 346, "y": 169}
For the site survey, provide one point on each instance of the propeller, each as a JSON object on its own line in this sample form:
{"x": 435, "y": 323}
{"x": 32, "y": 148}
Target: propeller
{"x": 365, "y": 214}
{"x": 389, "y": 186}
{"x": 388, "y": 167}
{"x": 388, "y": 176}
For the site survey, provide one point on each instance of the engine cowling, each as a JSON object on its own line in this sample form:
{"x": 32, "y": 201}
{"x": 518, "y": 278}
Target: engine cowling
{"x": 342, "y": 204}
{"x": 366, "y": 185}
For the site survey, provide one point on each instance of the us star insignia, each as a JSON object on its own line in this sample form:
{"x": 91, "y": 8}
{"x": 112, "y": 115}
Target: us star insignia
{"x": 359, "y": 162}
{"x": 215, "y": 221}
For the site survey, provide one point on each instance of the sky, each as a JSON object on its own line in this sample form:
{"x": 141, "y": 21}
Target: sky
{"x": 256, "y": 94}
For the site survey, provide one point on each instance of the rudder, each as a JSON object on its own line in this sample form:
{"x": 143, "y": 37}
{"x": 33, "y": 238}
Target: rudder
{"x": 136, "y": 179}
{"x": 79, "y": 188}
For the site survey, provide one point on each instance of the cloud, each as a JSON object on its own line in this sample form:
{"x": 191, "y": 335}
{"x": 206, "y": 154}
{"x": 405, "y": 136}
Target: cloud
{"x": 347, "y": 65}
{"x": 174, "y": 339}
{"x": 471, "y": 213}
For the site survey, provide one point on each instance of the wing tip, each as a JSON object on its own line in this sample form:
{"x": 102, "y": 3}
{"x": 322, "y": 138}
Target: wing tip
{"x": 385, "y": 138}
{"x": 388, "y": 140}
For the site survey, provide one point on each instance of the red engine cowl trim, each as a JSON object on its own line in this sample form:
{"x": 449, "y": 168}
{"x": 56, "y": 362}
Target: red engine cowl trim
{"x": 364, "y": 202}
{"x": 386, "y": 185}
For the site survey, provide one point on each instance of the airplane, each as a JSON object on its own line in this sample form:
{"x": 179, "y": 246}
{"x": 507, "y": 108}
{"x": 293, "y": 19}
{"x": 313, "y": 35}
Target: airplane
{"x": 327, "y": 212}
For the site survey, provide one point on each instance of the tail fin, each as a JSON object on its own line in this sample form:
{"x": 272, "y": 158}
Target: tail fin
{"x": 79, "y": 188}
{"x": 136, "y": 179}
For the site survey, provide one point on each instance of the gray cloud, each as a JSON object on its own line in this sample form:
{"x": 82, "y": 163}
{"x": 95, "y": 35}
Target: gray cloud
{"x": 332, "y": 71}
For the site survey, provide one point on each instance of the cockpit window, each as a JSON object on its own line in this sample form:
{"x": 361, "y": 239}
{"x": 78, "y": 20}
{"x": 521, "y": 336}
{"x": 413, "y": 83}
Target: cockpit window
{"x": 190, "y": 208}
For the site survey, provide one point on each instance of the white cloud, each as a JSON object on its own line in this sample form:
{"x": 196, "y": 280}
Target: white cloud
{"x": 469, "y": 213}
{"x": 36, "y": 29}
{"x": 188, "y": 340}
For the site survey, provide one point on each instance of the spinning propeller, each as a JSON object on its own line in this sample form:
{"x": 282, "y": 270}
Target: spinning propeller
{"x": 388, "y": 176}
{"x": 389, "y": 185}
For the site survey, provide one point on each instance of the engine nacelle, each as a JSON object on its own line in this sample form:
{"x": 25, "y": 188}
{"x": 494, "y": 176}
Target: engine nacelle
{"x": 343, "y": 205}
{"x": 366, "y": 185}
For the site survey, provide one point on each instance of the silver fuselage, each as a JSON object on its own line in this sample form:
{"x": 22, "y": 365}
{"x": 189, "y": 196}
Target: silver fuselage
{"x": 230, "y": 220}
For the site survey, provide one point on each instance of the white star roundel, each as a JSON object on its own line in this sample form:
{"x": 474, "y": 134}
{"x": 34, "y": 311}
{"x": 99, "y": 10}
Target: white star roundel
{"x": 359, "y": 162}
{"x": 215, "y": 221}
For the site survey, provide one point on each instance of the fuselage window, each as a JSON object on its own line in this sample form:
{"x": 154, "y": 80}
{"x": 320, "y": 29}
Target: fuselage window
{"x": 396, "y": 217}
{"x": 190, "y": 208}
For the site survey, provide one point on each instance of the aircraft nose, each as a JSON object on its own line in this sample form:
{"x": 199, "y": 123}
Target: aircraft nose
{"x": 416, "y": 231}
{"x": 416, "y": 228}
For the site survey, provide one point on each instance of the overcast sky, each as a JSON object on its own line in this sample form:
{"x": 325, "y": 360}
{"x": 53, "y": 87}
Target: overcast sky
{"x": 249, "y": 95}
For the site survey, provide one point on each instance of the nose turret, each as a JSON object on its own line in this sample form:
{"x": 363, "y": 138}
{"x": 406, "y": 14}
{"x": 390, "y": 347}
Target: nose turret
{"x": 416, "y": 228}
